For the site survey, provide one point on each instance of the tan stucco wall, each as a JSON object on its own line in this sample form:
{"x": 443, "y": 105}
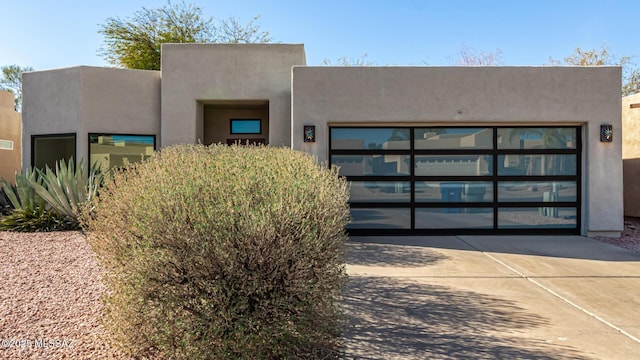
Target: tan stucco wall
{"x": 587, "y": 96}
{"x": 86, "y": 100}
{"x": 631, "y": 154}
{"x": 196, "y": 74}
{"x": 10, "y": 131}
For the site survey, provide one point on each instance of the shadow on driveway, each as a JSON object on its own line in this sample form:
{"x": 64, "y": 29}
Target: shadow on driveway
{"x": 391, "y": 318}
{"x": 369, "y": 254}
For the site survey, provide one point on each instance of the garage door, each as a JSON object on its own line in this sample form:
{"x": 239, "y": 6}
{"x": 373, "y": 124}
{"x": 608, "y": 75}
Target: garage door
{"x": 460, "y": 180}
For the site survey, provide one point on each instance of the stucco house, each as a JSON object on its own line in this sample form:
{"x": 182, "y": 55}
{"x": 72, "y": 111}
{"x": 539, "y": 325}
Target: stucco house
{"x": 10, "y": 137}
{"x": 631, "y": 154}
{"x": 428, "y": 150}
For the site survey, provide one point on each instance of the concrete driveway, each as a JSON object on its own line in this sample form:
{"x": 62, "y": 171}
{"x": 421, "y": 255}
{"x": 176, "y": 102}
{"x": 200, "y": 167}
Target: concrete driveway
{"x": 492, "y": 297}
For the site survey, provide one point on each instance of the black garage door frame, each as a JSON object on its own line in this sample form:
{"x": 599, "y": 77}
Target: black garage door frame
{"x": 494, "y": 177}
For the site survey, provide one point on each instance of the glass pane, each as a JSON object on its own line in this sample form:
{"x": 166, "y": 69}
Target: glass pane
{"x": 380, "y": 218}
{"x": 246, "y": 126}
{"x": 529, "y": 191}
{"x": 454, "y": 218}
{"x": 370, "y": 138}
{"x": 451, "y": 165}
{"x": 543, "y": 217}
{"x": 380, "y": 191}
{"x": 537, "y": 138}
{"x": 453, "y": 138}
{"x": 49, "y": 149}
{"x": 112, "y": 150}
{"x": 458, "y": 191}
{"x": 379, "y": 165}
{"x": 519, "y": 165}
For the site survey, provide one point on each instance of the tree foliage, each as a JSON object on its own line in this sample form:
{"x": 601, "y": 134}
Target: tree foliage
{"x": 350, "y": 61}
{"x": 604, "y": 57}
{"x": 468, "y": 56}
{"x": 592, "y": 57}
{"x": 632, "y": 83}
{"x": 135, "y": 42}
{"x": 11, "y": 80}
{"x": 231, "y": 31}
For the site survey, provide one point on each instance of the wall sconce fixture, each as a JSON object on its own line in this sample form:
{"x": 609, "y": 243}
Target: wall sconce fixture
{"x": 309, "y": 133}
{"x": 606, "y": 133}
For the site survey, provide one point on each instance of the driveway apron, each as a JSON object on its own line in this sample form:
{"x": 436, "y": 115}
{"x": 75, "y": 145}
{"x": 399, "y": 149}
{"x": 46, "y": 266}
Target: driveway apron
{"x": 491, "y": 297}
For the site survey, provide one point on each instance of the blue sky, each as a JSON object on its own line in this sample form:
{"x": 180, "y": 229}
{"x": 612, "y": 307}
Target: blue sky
{"x": 50, "y": 34}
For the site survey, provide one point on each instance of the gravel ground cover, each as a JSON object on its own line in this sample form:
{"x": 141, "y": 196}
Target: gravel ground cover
{"x": 50, "y": 295}
{"x": 50, "y": 298}
{"x": 630, "y": 238}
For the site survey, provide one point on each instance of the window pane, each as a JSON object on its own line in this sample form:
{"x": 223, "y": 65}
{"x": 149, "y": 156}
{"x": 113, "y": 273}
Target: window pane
{"x": 529, "y": 191}
{"x": 370, "y": 138}
{"x": 49, "y": 149}
{"x": 246, "y": 126}
{"x": 519, "y": 165}
{"x": 458, "y": 191}
{"x": 380, "y": 165}
{"x": 536, "y": 138}
{"x": 543, "y": 217}
{"x": 380, "y": 218}
{"x": 112, "y": 150}
{"x": 453, "y": 138}
{"x": 454, "y": 218}
{"x": 451, "y": 165}
{"x": 380, "y": 191}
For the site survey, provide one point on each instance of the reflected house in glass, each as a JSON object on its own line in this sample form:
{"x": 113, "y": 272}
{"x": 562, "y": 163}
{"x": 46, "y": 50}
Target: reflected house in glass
{"x": 427, "y": 150}
{"x": 114, "y": 150}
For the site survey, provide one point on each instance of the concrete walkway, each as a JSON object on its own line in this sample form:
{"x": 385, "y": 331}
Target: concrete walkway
{"x": 492, "y": 297}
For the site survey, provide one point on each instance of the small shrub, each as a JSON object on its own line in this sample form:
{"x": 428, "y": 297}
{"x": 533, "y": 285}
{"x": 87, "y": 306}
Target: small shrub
{"x": 223, "y": 252}
{"x": 33, "y": 219}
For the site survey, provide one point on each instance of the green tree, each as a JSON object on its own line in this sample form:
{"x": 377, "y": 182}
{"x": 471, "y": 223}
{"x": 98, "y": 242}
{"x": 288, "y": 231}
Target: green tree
{"x": 603, "y": 57}
{"x": 135, "y": 42}
{"x": 11, "y": 80}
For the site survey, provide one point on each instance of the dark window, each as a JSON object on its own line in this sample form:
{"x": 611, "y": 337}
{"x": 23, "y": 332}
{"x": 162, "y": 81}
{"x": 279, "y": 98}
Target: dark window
{"x": 46, "y": 150}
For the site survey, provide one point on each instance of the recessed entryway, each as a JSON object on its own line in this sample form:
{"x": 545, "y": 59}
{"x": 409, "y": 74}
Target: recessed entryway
{"x": 229, "y": 122}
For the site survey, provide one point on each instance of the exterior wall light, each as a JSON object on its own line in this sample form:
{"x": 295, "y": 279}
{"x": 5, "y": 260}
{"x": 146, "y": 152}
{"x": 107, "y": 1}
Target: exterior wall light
{"x": 606, "y": 133}
{"x": 309, "y": 133}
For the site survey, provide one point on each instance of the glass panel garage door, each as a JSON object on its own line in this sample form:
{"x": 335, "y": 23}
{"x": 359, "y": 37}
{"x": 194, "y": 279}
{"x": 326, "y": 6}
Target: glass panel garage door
{"x": 460, "y": 180}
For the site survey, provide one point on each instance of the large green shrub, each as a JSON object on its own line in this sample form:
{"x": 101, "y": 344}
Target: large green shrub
{"x": 223, "y": 253}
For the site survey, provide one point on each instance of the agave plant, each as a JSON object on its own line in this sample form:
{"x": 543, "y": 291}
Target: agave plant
{"x": 50, "y": 200}
{"x": 23, "y": 195}
{"x": 29, "y": 211}
{"x": 5, "y": 205}
{"x": 67, "y": 188}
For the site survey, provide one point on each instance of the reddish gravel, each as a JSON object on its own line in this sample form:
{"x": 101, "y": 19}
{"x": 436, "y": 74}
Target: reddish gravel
{"x": 630, "y": 238}
{"x": 50, "y": 298}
